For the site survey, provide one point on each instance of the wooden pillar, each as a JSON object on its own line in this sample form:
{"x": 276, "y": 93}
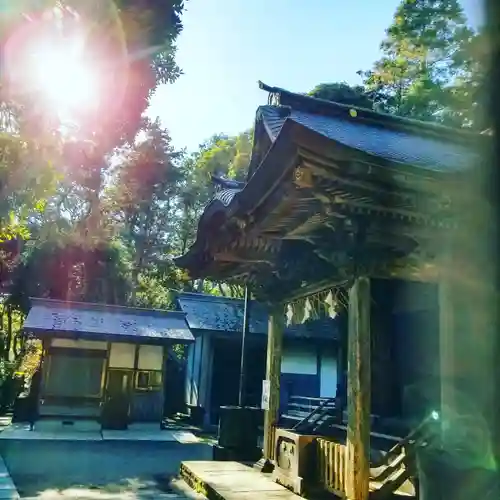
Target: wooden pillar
{"x": 273, "y": 373}
{"x": 341, "y": 395}
{"x": 467, "y": 330}
{"x": 358, "y": 391}
{"x": 447, "y": 326}
{"x": 383, "y": 368}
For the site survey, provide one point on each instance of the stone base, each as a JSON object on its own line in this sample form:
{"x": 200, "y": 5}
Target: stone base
{"x": 264, "y": 465}
{"x": 236, "y": 455}
{"x": 289, "y": 481}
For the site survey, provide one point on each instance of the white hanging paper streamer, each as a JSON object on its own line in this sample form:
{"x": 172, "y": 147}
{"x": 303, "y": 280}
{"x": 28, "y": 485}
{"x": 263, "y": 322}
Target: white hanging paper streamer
{"x": 331, "y": 305}
{"x": 289, "y": 315}
{"x": 307, "y": 310}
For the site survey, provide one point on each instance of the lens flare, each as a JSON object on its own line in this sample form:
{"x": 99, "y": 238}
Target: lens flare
{"x": 61, "y": 76}
{"x": 69, "y": 69}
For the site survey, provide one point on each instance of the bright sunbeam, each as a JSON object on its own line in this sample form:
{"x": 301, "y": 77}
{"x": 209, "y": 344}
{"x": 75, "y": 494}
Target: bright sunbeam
{"x": 50, "y": 62}
{"x": 62, "y": 77}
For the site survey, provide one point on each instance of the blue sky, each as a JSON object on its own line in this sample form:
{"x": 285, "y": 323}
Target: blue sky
{"x": 228, "y": 45}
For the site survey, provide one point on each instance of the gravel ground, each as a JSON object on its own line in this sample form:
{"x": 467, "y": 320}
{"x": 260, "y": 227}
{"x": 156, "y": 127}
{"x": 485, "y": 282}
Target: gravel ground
{"x": 57, "y": 470}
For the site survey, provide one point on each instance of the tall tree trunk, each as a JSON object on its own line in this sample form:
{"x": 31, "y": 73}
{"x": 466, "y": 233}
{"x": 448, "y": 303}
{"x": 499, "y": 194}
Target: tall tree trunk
{"x": 94, "y": 197}
{"x": 9, "y": 338}
{"x": 140, "y": 253}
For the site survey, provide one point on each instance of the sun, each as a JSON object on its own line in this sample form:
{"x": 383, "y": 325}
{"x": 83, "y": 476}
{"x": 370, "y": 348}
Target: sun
{"x": 62, "y": 77}
{"x": 49, "y": 64}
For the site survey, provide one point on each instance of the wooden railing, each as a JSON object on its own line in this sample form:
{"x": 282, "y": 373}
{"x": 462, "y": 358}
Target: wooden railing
{"x": 386, "y": 477}
{"x": 332, "y": 466}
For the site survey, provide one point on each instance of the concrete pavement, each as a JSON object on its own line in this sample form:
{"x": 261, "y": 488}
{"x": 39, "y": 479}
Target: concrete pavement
{"x": 8, "y": 491}
{"x": 98, "y": 470}
{"x": 91, "y": 431}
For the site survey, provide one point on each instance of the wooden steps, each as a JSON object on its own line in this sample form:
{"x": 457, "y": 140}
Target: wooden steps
{"x": 232, "y": 481}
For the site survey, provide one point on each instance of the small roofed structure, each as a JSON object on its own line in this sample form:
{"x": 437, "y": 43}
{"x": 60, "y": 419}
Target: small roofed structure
{"x": 309, "y": 359}
{"x": 103, "y": 362}
{"x": 336, "y": 196}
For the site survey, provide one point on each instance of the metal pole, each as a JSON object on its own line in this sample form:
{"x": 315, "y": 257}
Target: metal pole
{"x": 246, "y": 326}
{"x": 200, "y": 366}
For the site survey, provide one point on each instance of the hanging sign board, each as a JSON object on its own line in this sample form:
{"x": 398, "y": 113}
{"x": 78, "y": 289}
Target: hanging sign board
{"x": 266, "y": 386}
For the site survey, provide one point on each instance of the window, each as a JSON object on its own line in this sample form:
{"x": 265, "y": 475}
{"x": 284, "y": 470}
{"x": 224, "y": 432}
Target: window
{"x": 122, "y": 355}
{"x": 150, "y": 357}
{"x": 148, "y": 380}
{"x": 74, "y": 376}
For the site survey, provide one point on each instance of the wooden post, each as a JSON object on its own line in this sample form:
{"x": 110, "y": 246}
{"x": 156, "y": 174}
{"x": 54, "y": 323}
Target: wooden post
{"x": 447, "y": 317}
{"x": 273, "y": 373}
{"x": 358, "y": 391}
{"x": 467, "y": 329}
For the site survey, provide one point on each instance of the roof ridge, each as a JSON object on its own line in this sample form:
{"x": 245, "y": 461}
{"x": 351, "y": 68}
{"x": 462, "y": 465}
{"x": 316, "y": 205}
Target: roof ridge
{"x": 207, "y": 296}
{"x": 225, "y": 183}
{"x": 70, "y": 304}
{"x": 314, "y": 105}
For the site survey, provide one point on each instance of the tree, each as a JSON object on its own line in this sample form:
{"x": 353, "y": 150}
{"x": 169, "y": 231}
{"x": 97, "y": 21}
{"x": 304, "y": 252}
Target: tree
{"x": 221, "y": 155}
{"x": 26, "y": 182}
{"x": 468, "y": 92}
{"x": 67, "y": 269}
{"x": 343, "y": 94}
{"x": 418, "y": 64}
{"x": 130, "y": 44}
{"x": 144, "y": 201}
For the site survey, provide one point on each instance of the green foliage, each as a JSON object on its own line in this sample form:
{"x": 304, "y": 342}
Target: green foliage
{"x": 16, "y": 354}
{"x": 68, "y": 269}
{"x": 224, "y": 156}
{"x": 418, "y": 69}
{"x": 468, "y": 93}
{"x": 143, "y": 201}
{"x": 343, "y": 93}
{"x": 9, "y": 384}
{"x": 132, "y": 42}
{"x": 221, "y": 155}
{"x": 27, "y": 179}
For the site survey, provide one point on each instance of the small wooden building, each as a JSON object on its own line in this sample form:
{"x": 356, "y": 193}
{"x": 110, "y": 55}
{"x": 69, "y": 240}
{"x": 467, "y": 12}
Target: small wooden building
{"x": 309, "y": 368}
{"x": 103, "y": 362}
{"x": 337, "y": 197}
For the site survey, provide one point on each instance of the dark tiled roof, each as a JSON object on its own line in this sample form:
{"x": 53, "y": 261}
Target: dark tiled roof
{"x": 226, "y": 189}
{"x": 273, "y": 119}
{"x": 291, "y": 121}
{"x": 225, "y": 196}
{"x": 399, "y": 146}
{"x": 223, "y": 183}
{"x": 77, "y": 319}
{"x": 222, "y": 314}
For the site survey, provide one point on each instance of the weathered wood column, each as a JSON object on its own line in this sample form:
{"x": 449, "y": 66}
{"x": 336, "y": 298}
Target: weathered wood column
{"x": 383, "y": 369}
{"x": 276, "y": 327}
{"x": 358, "y": 391}
{"x": 447, "y": 326}
{"x": 467, "y": 330}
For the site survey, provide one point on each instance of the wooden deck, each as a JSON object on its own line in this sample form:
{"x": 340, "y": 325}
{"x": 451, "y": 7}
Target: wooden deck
{"x": 232, "y": 481}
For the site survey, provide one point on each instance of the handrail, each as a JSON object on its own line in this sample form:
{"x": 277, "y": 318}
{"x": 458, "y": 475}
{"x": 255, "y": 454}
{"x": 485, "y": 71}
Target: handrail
{"x": 314, "y": 412}
{"x": 412, "y": 437}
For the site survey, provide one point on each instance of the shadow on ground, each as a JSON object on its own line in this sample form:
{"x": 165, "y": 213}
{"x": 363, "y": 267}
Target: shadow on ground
{"x": 48, "y": 470}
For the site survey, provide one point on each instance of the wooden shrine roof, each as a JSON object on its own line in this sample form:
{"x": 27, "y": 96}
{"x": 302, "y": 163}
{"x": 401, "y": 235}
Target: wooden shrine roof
{"x": 223, "y": 314}
{"x": 329, "y": 185}
{"x": 106, "y": 322}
